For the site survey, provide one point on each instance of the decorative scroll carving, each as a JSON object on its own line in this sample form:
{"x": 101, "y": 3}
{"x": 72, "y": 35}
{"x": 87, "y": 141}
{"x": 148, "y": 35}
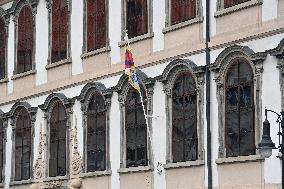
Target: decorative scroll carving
{"x": 76, "y": 162}
{"x": 52, "y": 185}
{"x": 38, "y": 170}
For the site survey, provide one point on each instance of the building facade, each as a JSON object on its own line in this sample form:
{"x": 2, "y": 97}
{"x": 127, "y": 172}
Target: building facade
{"x": 70, "y": 119}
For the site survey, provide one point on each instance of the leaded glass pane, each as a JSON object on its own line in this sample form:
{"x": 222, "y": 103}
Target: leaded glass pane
{"x": 182, "y": 10}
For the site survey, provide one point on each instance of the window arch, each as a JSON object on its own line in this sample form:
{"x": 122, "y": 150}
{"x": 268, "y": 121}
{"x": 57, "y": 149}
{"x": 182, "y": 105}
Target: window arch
{"x": 59, "y": 22}
{"x": 182, "y": 10}
{"x": 239, "y": 108}
{"x": 96, "y": 17}
{"x": 25, "y": 40}
{"x": 184, "y": 119}
{"x": 23, "y": 146}
{"x": 3, "y": 44}
{"x": 58, "y": 141}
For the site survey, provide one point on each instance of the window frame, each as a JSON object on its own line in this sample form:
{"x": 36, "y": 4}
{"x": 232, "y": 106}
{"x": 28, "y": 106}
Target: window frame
{"x": 220, "y": 68}
{"x": 68, "y": 60}
{"x": 15, "y": 11}
{"x": 168, "y": 78}
{"x": 6, "y": 18}
{"x": 122, "y": 88}
{"x": 13, "y": 116}
{"x": 88, "y": 91}
{"x": 4, "y": 119}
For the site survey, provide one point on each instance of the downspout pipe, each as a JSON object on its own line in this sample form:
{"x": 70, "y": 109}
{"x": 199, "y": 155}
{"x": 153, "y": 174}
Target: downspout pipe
{"x": 208, "y": 79}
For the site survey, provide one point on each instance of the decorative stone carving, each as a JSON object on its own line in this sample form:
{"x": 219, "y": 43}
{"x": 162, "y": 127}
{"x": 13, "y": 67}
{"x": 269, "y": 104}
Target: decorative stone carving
{"x": 52, "y": 185}
{"x": 38, "y": 170}
{"x": 76, "y": 162}
{"x": 76, "y": 183}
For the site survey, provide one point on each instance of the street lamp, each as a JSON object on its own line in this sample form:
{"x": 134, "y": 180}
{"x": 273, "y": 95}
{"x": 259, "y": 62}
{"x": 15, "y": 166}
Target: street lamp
{"x": 266, "y": 145}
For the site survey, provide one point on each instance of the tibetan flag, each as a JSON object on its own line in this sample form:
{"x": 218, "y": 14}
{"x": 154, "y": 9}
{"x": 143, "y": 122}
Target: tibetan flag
{"x": 130, "y": 69}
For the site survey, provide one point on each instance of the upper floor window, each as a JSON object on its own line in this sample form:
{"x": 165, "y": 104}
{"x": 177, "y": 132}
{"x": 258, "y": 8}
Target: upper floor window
{"x": 239, "y": 110}
{"x": 2, "y": 147}
{"x": 23, "y": 147}
{"x": 25, "y": 40}
{"x": 230, "y": 3}
{"x": 96, "y": 24}
{"x": 136, "y": 17}
{"x": 58, "y": 142}
{"x": 182, "y": 10}
{"x": 96, "y": 134}
{"x": 2, "y": 49}
{"x": 60, "y": 16}
{"x": 184, "y": 119}
{"x": 136, "y": 130}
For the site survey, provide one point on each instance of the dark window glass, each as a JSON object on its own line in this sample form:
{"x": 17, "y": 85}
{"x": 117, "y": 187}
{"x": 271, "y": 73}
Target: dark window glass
{"x": 59, "y": 30}
{"x": 58, "y": 143}
{"x": 23, "y": 146}
{"x": 96, "y": 134}
{"x": 136, "y": 17}
{"x": 96, "y": 24}
{"x": 136, "y": 130}
{"x": 25, "y": 40}
{"x": 2, "y": 155}
{"x": 184, "y": 124}
{"x": 239, "y": 110}
{"x": 2, "y": 48}
{"x": 182, "y": 10}
{"x": 230, "y": 3}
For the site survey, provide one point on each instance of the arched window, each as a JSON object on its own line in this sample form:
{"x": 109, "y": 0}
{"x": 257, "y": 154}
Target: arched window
{"x": 2, "y": 48}
{"x": 184, "y": 119}
{"x": 96, "y": 24}
{"x": 23, "y": 148}
{"x": 136, "y": 17}
{"x": 239, "y": 109}
{"x": 59, "y": 30}
{"x": 25, "y": 40}
{"x": 230, "y": 3}
{"x": 58, "y": 142}
{"x": 2, "y": 147}
{"x": 182, "y": 10}
{"x": 96, "y": 134}
{"x": 136, "y": 130}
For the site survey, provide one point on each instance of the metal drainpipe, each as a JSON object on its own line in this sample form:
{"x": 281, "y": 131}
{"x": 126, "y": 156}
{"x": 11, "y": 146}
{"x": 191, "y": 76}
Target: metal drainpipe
{"x": 207, "y": 50}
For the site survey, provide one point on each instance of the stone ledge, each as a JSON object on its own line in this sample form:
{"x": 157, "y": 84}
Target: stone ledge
{"x": 95, "y": 174}
{"x": 184, "y": 164}
{"x": 95, "y": 52}
{"x": 4, "y": 80}
{"x": 20, "y": 182}
{"x": 57, "y": 178}
{"x": 59, "y": 63}
{"x": 238, "y": 7}
{"x": 136, "y": 39}
{"x": 182, "y": 24}
{"x": 24, "y": 74}
{"x": 134, "y": 169}
{"x": 239, "y": 159}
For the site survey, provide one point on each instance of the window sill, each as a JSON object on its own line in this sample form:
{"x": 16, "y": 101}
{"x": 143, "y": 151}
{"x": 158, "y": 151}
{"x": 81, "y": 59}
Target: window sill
{"x": 4, "y": 80}
{"x": 184, "y": 164}
{"x": 24, "y": 74}
{"x": 95, "y": 174}
{"x": 239, "y": 159}
{"x": 20, "y": 182}
{"x": 238, "y": 7}
{"x": 57, "y": 178}
{"x": 135, "y": 169}
{"x": 182, "y": 24}
{"x": 136, "y": 39}
{"x": 59, "y": 63}
{"x": 95, "y": 52}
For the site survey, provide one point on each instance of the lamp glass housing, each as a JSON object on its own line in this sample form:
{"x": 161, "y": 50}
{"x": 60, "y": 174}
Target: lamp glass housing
{"x": 265, "y": 152}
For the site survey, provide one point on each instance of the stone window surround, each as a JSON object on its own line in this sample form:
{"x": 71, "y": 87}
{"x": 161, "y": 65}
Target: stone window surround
{"x": 5, "y": 125}
{"x": 169, "y": 27}
{"x": 47, "y": 108}
{"x": 221, "y": 11}
{"x": 6, "y": 18}
{"x": 168, "y": 78}
{"x": 148, "y": 35}
{"x": 85, "y": 53}
{"x": 85, "y": 97}
{"x": 122, "y": 89}
{"x": 68, "y": 58}
{"x": 219, "y": 67}
{"x": 15, "y": 11}
{"x": 13, "y": 116}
